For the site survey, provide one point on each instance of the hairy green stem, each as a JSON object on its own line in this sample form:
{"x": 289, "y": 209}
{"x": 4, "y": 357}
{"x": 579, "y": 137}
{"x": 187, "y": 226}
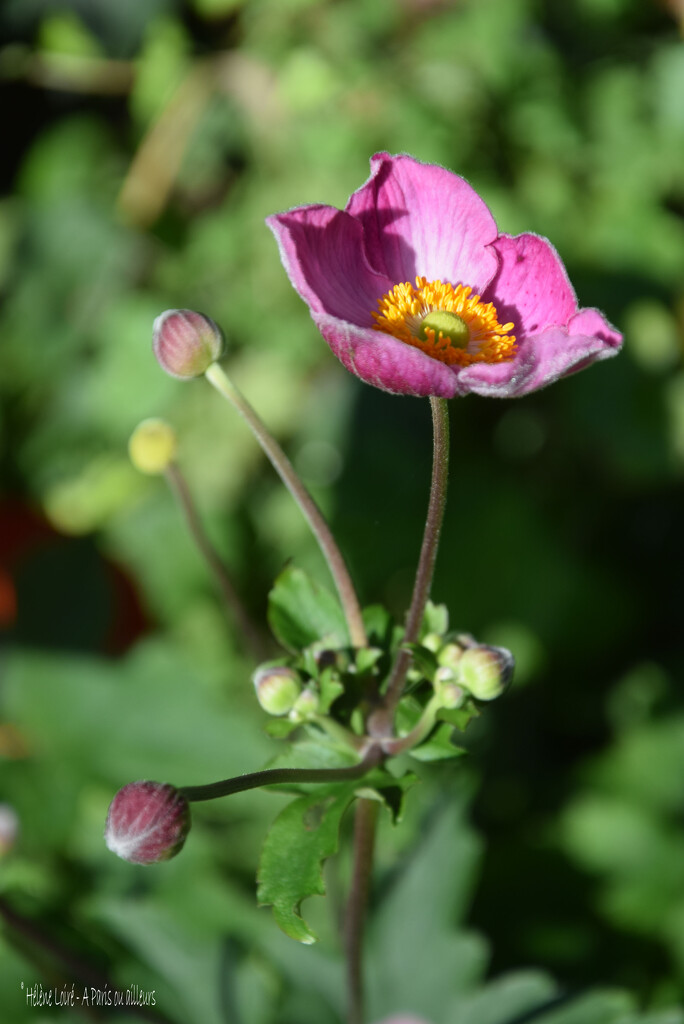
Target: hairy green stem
{"x": 428, "y": 553}
{"x": 364, "y": 843}
{"x": 278, "y": 776}
{"x": 313, "y": 515}
{"x": 251, "y": 636}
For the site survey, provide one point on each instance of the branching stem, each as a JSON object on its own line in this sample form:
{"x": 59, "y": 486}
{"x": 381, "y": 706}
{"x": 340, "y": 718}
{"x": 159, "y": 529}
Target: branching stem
{"x": 278, "y": 776}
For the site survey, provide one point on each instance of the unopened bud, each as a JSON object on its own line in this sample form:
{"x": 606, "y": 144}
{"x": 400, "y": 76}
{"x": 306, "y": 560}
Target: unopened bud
{"x": 486, "y": 671}
{"x": 452, "y": 695}
{"x": 433, "y": 642}
{"x": 9, "y": 828}
{"x": 152, "y": 447}
{"x": 277, "y": 688}
{"x": 147, "y": 822}
{"x": 450, "y": 655}
{"x": 306, "y": 706}
{"x": 186, "y": 343}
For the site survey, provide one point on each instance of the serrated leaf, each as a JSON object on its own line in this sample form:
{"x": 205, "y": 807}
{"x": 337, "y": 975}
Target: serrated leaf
{"x": 460, "y": 717}
{"x": 439, "y": 747}
{"x": 300, "y": 612}
{"x": 301, "y": 838}
{"x": 390, "y": 789}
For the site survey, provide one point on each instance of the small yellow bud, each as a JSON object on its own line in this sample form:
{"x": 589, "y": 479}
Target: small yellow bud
{"x": 152, "y": 446}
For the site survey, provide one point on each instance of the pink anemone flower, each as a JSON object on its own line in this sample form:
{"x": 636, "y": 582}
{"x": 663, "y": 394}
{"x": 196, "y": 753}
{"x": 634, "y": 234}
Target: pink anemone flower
{"x": 417, "y": 293}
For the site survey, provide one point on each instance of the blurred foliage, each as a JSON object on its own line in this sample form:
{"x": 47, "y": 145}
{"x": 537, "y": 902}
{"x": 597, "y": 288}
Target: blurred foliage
{"x": 147, "y": 141}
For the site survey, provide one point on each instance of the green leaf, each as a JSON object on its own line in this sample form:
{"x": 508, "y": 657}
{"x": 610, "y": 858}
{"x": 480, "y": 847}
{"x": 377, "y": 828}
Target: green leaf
{"x": 330, "y": 688}
{"x": 435, "y": 619}
{"x": 367, "y": 658}
{"x": 460, "y": 717}
{"x": 390, "y": 789}
{"x": 301, "y": 838}
{"x": 378, "y": 623}
{"x": 423, "y": 659}
{"x": 439, "y": 746}
{"x": 509, "y": 998}
{"x": 301, "y": 612}
{"x": 279, "y": 728}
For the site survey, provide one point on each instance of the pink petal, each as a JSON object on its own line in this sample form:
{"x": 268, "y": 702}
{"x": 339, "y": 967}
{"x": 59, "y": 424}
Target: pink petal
{"x": 422, "y": 219}
{"x": 322, "y": 250}
{"x": 531, "y": 287}
{"x": 385, "y": 362}
{"x": 541, "y": 360}
{"x": 592, "y": 323}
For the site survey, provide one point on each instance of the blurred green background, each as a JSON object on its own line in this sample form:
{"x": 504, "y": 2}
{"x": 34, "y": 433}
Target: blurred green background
{"x": 143, "y": 144}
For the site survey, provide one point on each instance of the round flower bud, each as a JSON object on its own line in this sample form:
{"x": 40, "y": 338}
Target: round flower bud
{"x": 277, "y": 688}
{"x": 9, "y": 828}
{"x": 450, "y": 655}
{"x": 433, "y": 642}
{"x": 147, "y": 822}
{"x": 486, "y": 671}
{"x": 186, "y": 343}
{"x": 452, "y": 695}
{"x": 306, "y": 706}
{"x": 152, "y": 446}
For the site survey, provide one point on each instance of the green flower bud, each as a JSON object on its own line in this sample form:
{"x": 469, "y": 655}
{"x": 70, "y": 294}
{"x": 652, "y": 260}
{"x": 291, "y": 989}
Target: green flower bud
{"x": 450, "y": 655}
{"x": 452, "y": 695}
{"x": 277, "y": 688}
{"x": 486, "y": 671}
{"x": 152, "y": 447}
{"x": 186, "y": 343}
{"x": 306, "y": 706}
{"x": 433, "y": 642}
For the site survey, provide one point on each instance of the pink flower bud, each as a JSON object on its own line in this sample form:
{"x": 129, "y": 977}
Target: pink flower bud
{"x": 147, "y": 822}
{"x": 186, "y": 343}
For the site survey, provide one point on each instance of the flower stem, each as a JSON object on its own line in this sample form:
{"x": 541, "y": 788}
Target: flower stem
{"x": 278, "y": 776}
{"x": 364, "y": 843}
{"x": 419, "y": 732}
{"x": 282, "y": 465}
{"x": 252, "y": 638}
{"x": 428, "y": 552}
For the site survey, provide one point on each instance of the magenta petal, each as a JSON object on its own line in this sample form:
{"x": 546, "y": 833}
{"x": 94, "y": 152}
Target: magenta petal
{"x": 386, "y": 363}
{"x": 322, "y": 250}
{"x": 593, "y": 324}
{"x": 541, "y": 360}
{"x": 531, "y": 287}
{"x": 422, "y": 219}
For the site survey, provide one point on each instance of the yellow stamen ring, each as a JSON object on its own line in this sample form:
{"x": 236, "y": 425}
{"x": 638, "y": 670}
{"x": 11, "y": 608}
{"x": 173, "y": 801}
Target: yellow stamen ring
{"x": 446, "y": 322}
